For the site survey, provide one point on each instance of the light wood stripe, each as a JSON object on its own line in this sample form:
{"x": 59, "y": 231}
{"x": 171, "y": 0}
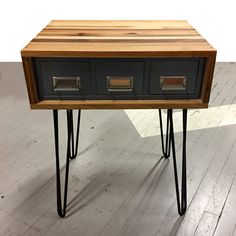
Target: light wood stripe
{"x": 63, "y": 27}
{"x": 123, "y": 32}
{"x": 121, "y": 24}
{"x": 63, "y": 46}
{"x": 119, "y": 37}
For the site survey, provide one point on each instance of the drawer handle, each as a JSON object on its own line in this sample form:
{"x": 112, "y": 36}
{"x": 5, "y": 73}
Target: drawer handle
{"x": 120, "y": 84}
{"x": 173, "y": 82}
{"x": 66, "y": 83}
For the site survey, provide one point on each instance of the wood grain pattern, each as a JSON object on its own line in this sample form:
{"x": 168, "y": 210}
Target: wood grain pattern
{"x": 119, "y": 104}
{"x": 119, "y": 39}
{"x": 30, "y": 80}
{"x": 80, "y": 38}
{"x": 119, "y": 32}
{"x": 123, "y": 24}
{"x": 208, "y": 77}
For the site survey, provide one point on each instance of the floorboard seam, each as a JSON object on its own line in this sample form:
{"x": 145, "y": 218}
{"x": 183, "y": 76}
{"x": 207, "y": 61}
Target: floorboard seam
{"x": 219, "y": 217}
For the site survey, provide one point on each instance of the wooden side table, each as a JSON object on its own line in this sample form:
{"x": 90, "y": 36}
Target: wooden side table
{"x": 78, "y": 64}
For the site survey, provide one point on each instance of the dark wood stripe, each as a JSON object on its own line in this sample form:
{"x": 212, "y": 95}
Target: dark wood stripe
{"x": 116, "y": 35}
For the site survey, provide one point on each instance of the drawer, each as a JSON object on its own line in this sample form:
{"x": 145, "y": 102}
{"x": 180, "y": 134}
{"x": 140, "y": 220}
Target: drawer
{"x": 108, "y": 78}
{"x": 58, "y": 78}
{"x": 119, "y": 77}
{"x": 176, "y": 78}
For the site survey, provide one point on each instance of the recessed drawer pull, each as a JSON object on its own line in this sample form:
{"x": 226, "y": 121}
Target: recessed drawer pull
{"x": 173, "y": 82}
{"x": 66, "y": 83}
{"x": 119, "y": 84}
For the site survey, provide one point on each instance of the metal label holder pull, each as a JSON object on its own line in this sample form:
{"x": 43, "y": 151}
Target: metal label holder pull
{"x": 119, "y": 83}
{"x": 173, "y": 82}
{"x": 66, "y": 83}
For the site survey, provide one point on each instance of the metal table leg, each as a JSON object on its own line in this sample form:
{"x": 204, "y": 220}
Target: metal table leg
{"x": 71, "y": 154}
{"x": 170, "y": 141}
{"x": 75, "y": 150}
{"x": 166, "y": 146}
{"x": 72, "y": 150}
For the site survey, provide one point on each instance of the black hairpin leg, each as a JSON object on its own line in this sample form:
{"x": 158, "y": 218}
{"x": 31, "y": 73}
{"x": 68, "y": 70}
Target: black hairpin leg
{"x": 70, "y": 154}
{"x": 181, "y": 202}
{"x": 166, "y": 146}
{"x": 75, "y": 150}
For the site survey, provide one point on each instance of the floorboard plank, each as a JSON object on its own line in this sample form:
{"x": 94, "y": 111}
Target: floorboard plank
{"x": 221, "y": 189}
{"x": 227, "y": 221}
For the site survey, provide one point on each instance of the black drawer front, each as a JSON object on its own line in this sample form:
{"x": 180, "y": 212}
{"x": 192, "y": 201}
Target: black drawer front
{"x": 119, "y": 77}
{"x": 176, "y": 78}
{"x": 110, "y": 78}
{"x": 68, "y": 79}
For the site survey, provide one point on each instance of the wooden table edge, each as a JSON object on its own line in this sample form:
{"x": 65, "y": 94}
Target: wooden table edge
{"x": 120, "y": 104}
{"x": 117, "y": 54}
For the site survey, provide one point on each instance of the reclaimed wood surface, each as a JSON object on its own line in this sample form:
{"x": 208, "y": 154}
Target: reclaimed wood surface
{"x": 119, "y": 104}
{"x": 106, "y": 38}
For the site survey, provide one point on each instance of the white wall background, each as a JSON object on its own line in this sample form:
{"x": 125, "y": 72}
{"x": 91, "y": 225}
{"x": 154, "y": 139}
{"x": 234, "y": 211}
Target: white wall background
{"x": 21, "y": 20}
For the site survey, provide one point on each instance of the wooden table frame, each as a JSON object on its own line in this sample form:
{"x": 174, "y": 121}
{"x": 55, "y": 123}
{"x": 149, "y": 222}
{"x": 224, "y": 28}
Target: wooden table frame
{"x": 118, "y": 39}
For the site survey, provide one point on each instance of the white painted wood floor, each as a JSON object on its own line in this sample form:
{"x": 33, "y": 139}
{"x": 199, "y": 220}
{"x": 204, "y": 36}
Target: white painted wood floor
{"x": 118, "y": 183}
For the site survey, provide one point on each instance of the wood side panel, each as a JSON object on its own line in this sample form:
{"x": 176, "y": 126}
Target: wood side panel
{"x": 119, "y": 104}
{"x": 208, "y": 77}
{"x": 212, "y": 61}
{"x": 30, "y": 79}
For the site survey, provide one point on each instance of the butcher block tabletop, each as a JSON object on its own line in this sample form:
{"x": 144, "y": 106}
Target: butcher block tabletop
{"x": 123, "y": 38}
